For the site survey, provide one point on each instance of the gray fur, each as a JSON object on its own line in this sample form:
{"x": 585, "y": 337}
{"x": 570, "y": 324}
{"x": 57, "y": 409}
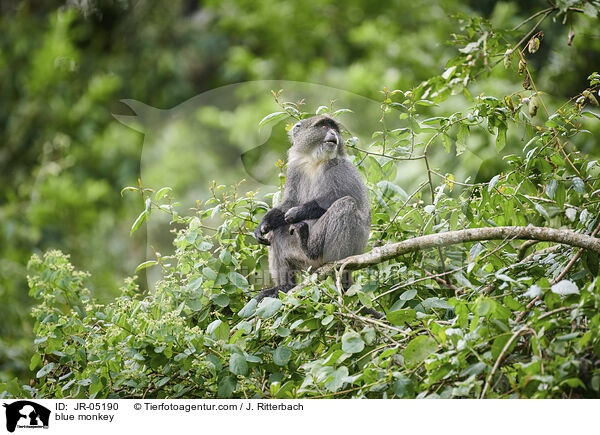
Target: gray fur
{"x": 324, "y": 214}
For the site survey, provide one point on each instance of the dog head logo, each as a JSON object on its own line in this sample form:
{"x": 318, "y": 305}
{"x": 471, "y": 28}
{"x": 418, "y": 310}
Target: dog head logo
{"x": 26, "y": 414}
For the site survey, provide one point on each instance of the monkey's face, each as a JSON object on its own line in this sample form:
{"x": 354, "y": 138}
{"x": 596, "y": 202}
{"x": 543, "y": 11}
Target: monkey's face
{"x": 317, "y": 137}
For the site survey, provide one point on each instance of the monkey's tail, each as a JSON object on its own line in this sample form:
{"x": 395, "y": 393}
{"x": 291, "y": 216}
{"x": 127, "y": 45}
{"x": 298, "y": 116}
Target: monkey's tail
{"x": 372, "y": 312}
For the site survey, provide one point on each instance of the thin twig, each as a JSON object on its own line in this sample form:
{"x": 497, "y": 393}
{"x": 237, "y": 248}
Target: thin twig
{"x": 500, "y": 357}
{"x": 374, "y": 322}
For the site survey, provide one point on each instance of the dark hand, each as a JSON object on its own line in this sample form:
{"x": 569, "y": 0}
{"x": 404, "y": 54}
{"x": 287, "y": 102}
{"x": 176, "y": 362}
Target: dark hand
{"x": 294, "y": 215}
{"x": 260, "y": 232}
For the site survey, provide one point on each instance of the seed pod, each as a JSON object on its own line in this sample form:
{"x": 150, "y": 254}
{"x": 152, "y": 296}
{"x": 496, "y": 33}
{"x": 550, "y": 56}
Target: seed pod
{"x": 527, "y": 82}
{"x": 522, "y": 66}
{"x": 509, "y": 103}
{"x": 571, "y": 36}
{"x": 534, "y": 44}
{"x": 507, "y": 58}
{"x": 533, "y": 106}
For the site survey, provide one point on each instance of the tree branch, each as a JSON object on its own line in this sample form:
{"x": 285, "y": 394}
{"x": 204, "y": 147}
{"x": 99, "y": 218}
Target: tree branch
{"x": 393, "y": 250}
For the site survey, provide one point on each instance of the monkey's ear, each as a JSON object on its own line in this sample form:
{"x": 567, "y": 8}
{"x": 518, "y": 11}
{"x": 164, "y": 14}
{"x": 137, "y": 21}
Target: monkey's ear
{"x": 145, "y": 116}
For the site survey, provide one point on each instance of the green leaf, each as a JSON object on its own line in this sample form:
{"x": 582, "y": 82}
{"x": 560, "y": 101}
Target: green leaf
{"x": 214, "y": 360}
{"x": 95, "y": 388}
{"x": 541, "y": 210}
{"x": 493, "y": 182}
{"x": 210, "y": 274}
{"x": 368, "y": 334}
{"x": 135, "y": 189}
{"x": 337, "y": 379}
{"x": 408, "y": 295}
{"x": 45, "y": 370}
{"x": 565, "y": 287}
{"x": 499, "y": 344}
{"x": 221, "y": 300}
{"x": 204, "y": 245}
{"x": 501, "y": 138}
{"x": 461, "y": 138}
{"x": 282, "y": 355}
{"x": 551, "y": 188}
{"x": 403, "y": 387}
{"x": 219, "y": 329}
{"x": 146, "y": 264}
{"x": 226, "y": 387}
{"x": 470, "y": 47}
{"x": 341, "y": 112}
{"x": 590, "y": 115}
{"x": 194, "y": 284}
{"x": 434, "y": 120}
{"x": 401, "y": 317}
{"x": 138, "y": 222}
{"x": 36, "y": 360}
{"x": 161, "y": 193}
{"x": 268, "y": 307}
{"x": 225, "y": 256}
{"x": 483, "y": 307}
{"x": 272, "y": 117}
{"x": 590, "y": 10}
{"x": 327, "y": 320}
{"x": 238, "y": 280}
{"x": 321, "y": 110}
{"x": 352, "y": 342}
{"x": 591, "y": 262}
{"x": 238, "y": 364}
{"x": 449, "y": 72}
{"x": 390, "y": 190}
{"x": 435, "y": 302}
{"x": 560, "y": 194}
{"x": 414, "y": 125}
{"x": 418, "y": 350}
{"x": 365, "y": 299}
{"x": 249, "y": 309}
{"x": 162, "y": 381}
{"x": 578, "y": 185}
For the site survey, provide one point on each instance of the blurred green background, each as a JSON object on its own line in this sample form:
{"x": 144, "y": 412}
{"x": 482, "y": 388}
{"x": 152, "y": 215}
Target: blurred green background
{"x": 65, "y": 66}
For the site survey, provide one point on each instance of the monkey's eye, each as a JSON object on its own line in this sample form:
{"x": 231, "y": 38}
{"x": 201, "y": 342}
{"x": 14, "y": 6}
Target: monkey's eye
{"x": 325, "y": 127}
{"x": 296, "y": 126}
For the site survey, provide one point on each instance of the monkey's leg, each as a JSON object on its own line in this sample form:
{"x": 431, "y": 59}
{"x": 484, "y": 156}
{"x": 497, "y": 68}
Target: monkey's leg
{"x": 339, "y": 233}
{"x": 284, "y": 262}
{"x": 273, "y": 292}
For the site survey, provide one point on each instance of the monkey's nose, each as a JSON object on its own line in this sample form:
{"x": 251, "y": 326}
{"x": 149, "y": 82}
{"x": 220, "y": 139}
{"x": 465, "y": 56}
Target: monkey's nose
{"x": 331, "y": 136}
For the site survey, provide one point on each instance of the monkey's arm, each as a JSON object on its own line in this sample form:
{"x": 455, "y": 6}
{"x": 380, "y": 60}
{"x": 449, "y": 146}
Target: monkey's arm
{"x": 276, "y": 216}
{"x": 309, "y": 210}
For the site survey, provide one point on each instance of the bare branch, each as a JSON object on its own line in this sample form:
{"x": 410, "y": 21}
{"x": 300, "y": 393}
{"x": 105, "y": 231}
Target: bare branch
{"x": 393, "y": 250}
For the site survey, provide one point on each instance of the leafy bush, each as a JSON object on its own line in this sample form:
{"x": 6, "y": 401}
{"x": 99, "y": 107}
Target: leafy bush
{"x": 480, "y": 319}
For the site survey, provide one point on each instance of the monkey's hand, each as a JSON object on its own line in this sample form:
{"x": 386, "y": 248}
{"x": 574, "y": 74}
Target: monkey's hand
{"x": 294, "y": 214}
{"x": 310, "y": 210}
{"x": 260, "y": 232}
{"x": 273, "y": 219}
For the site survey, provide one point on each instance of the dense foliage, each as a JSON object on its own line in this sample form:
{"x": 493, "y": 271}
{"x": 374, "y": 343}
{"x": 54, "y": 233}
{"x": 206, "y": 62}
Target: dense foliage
{"x": 489, "y": 319}
{"x": 64, "y": 66}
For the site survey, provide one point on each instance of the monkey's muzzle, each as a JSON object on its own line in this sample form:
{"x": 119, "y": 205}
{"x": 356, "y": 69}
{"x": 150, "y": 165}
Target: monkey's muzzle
{"x": 331, "y": 137}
